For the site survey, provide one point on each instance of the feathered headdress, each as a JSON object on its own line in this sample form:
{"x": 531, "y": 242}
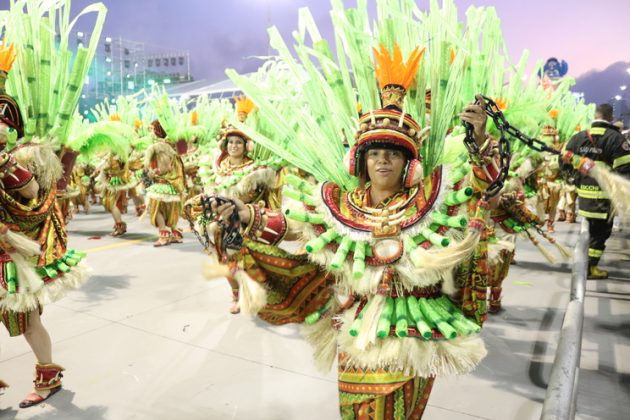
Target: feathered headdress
{"x": 394, "y": 75}
{"x": 390, "y": 126}
{"x": 244, "y": 106}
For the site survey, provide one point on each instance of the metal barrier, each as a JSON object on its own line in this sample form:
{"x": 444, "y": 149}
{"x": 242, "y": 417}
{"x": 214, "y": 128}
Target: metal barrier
{"x": 561, "y": 397}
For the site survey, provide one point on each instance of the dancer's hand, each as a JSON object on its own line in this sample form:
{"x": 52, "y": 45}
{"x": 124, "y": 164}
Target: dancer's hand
{"x": 475, "y": 114}
{"x": 224, "y": 211}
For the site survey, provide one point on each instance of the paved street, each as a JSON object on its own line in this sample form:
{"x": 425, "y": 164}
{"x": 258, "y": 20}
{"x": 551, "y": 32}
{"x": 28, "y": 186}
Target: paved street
{"x": 148, "y": 338}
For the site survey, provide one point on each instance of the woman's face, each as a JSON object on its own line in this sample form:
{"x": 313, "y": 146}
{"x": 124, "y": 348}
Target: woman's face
{"x": 385, "y": 168}
{"x": 235, "y": 147}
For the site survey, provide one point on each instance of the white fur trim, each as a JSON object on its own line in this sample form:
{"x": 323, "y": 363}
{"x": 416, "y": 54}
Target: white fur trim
{"x": 49, "y": 293}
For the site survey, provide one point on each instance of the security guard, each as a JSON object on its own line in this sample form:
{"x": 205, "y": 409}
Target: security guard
{"x": 604, "y": 144}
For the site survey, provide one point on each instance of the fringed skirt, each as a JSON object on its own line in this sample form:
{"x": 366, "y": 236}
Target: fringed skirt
{"x": 20, "y": 295}
{"x": 164, "y": 199}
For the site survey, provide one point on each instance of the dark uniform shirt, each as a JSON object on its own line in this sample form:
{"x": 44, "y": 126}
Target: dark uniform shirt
{"x": 604, "y": 144}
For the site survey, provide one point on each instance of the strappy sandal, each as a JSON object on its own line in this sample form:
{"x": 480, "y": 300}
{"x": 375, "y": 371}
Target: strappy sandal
{"x": 164, "y": 239}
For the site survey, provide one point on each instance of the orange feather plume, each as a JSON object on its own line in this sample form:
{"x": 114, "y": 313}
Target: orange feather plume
{"x": 244, "y": 104}
{"x": 7, "y": 57}
{"x": 391, "y": 70}
{"x": 502, "y": 103}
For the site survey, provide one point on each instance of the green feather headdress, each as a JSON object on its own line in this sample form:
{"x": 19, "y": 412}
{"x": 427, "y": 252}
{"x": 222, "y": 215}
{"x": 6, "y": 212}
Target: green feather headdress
{"x": 47, "y": 77}
{"x": 174, "y": 116}
{"x": 210, "y": 114}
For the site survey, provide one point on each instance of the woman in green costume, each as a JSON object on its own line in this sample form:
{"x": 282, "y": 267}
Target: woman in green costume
{"x": 38, "y": 268}
{"x": 391, "y": 244}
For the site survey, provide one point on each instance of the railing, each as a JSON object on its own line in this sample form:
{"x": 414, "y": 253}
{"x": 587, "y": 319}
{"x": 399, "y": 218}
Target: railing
{"x": 561, "y": 397}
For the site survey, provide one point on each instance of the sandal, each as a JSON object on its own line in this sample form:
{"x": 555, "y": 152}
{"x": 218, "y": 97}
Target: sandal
{"x": 164, "y": 239}
{"x": 176, "y": 236}
{"x": 34, "y": 398}
{"x": 119, "y": 229}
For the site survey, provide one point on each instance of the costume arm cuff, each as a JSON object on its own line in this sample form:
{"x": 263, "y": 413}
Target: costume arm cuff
{"x": 266, "y": 226}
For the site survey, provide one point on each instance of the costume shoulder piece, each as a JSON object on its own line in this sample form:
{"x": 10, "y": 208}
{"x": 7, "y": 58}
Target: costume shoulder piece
{"x": 414, "y": 221}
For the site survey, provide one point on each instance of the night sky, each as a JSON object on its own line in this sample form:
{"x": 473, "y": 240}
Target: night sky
{"x": 587, "y": 34}
{"x": 222, "y": 34}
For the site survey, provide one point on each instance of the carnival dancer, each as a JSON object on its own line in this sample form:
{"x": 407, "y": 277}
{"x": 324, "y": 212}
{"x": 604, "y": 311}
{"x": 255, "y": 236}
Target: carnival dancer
{"x": 387, "y": 245}
{"x": 37, "y": 267}
{"x": 549, "y": 182}
{"x": 115, "y": 181}
{"x": 509, "y": 219}
{"x": 26, "y": 288}
{"x": 572, "y": 117}
{"x": 111, "y": 138}
{"x": 568, "y": 201}
{"x": 237, "y": 173}
{"x": 136, "y": 166}
{"x": 81, "y": 180}
{"x": 166, "y": 170}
